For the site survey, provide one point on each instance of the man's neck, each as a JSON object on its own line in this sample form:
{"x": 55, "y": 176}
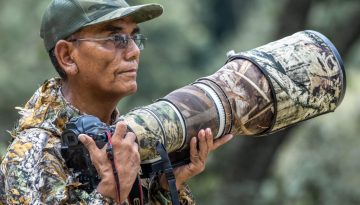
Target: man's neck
{"x": 90, "y": 104}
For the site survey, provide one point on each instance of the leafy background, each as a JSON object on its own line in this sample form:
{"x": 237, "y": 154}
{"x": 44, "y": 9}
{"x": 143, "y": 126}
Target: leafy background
{"x": 315, "y": 162}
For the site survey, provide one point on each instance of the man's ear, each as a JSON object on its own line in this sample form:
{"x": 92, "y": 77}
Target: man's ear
{"x": 63, "y": 52}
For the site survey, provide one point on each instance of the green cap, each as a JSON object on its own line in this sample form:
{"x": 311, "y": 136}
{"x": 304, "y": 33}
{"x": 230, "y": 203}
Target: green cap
{"x": 64, "y": 17}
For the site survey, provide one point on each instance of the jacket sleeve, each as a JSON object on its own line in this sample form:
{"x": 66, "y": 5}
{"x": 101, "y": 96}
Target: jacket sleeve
{"x": 159, "y": 196}
{"x": 35, "y": 173}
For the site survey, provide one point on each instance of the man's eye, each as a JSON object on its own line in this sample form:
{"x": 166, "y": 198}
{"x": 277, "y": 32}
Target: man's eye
{"x": 120, "y": 38}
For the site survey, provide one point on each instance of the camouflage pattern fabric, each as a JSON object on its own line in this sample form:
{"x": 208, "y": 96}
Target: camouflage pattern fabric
{"x": 197, "y": 108}
{"x": 163, "y": 197}
{"x": 249, "y": 95}
{"x": 306, "y": 74}
{"x": 33, "y": 170}
{"x": 152, "y": 123}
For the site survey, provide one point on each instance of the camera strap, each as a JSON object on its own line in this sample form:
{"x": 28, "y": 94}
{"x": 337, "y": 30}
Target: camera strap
{"x": 136, "y": 194}
{"x": 167, "y": 169}
{"x": 110, "y": 155}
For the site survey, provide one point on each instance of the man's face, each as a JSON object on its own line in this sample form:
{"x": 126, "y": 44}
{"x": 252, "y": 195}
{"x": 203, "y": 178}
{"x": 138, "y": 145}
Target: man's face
{"x": 103, "y": 69}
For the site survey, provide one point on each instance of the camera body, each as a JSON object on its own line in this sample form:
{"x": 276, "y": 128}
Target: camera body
{"x": 76, "y": 156}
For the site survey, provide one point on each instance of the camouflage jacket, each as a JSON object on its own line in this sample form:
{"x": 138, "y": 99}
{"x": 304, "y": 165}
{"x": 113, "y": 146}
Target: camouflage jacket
{"x": 33, "y": 170}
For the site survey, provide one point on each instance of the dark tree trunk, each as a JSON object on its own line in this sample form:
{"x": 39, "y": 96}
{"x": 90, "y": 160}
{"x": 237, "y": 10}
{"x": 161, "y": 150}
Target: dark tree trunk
{"x": 225, "y": 17}
{"x": 347, "y": 33}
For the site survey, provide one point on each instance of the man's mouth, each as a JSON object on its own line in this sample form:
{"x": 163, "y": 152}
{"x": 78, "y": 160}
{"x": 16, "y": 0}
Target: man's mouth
{"x": 128, "y": 72}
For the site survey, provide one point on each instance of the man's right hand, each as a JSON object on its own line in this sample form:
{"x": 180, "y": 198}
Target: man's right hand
{"x": 127, "y": 162}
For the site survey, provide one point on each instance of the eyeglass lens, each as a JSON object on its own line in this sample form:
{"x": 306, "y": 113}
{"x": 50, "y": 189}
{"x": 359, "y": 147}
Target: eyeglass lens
{"x": 122, "y": 41}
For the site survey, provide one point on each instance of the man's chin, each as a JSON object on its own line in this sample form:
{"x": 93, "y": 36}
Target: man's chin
{"x": 131, "y": 90}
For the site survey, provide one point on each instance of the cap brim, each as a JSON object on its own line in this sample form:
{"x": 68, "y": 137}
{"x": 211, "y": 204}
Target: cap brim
{"x": 138, "y": 13}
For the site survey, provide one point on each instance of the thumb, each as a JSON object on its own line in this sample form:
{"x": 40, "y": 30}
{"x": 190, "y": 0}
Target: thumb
{"x": 88, "y": 142}
{"x": 223, "y": 140}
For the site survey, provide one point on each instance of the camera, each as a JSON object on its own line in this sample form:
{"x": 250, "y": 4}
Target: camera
{"x": 76, "y": 156}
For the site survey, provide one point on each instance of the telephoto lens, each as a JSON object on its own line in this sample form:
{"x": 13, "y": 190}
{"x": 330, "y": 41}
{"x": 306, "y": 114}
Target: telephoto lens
{"x": 255, "y": 93}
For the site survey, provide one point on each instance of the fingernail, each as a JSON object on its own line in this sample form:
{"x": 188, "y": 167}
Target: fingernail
{"x": 81, "y": 138}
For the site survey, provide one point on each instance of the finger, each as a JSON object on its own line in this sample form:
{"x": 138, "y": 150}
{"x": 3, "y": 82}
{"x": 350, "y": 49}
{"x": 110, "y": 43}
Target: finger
{"x": 203, "y": 146}
{"x": 222, "y": 140}
{"x": 89, "y": 143}
{"x": 136, "y": 159}
{"x": 132, "y": 141}
{"x": 130, "y": 137}
{"x": 194, "y": 154}
{"x": 120, "y": 130}
{"x": 126, "y": 145}
{"x": 209, "y": 139}
{"x": 136, "y": 147}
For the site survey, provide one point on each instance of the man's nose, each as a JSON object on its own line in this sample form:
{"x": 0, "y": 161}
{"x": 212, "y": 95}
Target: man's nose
{"x": 132, "y": 50}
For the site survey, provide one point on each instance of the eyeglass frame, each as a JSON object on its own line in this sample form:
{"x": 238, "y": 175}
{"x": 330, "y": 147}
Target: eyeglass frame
{"x": 120, "y": 40}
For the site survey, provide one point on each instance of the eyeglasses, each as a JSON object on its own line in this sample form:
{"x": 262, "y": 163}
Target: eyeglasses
{"x": 119, "y": 40}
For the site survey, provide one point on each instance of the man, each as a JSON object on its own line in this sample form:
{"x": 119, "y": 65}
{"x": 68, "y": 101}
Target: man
{"x": 95, "y": 47}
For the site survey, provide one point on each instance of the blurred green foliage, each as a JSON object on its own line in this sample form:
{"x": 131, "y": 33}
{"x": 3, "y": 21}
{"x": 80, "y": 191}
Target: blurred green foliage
{"x": 318, "y": 165}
